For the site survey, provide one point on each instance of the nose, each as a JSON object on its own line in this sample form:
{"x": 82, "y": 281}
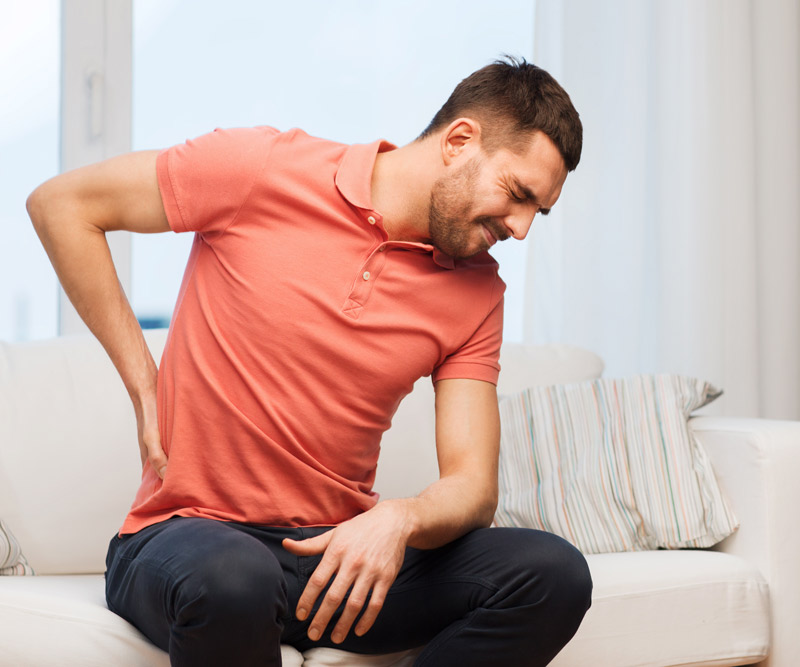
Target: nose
{"x": 519, "y": 224}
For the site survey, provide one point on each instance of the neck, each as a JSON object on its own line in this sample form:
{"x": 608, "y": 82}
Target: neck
{"x": 401, "y": 186}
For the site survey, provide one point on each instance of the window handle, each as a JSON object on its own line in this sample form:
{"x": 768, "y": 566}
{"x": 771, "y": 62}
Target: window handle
{"x": 95, "y": 85}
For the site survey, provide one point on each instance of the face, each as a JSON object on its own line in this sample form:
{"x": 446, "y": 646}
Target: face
{"x": 489, "y": 198}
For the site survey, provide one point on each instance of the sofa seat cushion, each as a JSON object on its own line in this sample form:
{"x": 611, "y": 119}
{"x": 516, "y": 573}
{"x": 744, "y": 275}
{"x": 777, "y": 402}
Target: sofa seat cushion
{"x": 649, "y": 608}
{"x": 657, "y": 608}
{"x": 63, "y": 620}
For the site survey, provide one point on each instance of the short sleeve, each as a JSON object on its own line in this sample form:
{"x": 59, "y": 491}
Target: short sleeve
{"x": 205, "y": 182}
{"x": 478, "y": 358}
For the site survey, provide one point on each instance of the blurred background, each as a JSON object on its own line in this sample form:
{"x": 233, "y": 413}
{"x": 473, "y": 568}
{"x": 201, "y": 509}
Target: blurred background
{"x": 675, "y": 246}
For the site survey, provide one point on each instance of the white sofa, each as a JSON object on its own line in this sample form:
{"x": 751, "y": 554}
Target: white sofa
{"x": 69, "y": 468}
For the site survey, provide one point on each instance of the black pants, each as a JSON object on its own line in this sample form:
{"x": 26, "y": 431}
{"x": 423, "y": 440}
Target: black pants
{"x": 214, "y": 593}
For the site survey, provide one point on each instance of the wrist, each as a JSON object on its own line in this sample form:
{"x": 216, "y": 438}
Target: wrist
{"x": 144, "y": 389}
{"x": 141, "y": 374}
{"x": 408, "y": 518}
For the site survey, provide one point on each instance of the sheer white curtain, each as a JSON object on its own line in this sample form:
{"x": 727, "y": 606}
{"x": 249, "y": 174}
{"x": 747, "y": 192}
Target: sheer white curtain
{"x": 676, "y": 245}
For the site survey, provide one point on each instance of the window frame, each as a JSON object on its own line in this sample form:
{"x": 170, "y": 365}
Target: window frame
{"x": 96, "y": 109}
{"x": 97, "y": 120}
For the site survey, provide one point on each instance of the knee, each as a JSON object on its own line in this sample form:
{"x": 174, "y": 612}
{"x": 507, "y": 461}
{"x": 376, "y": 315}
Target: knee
{"x": 233, "y": 590}
{"x": 570, "y": 577}
{"x": 551, "y": 571}
{"x": 564, "y": 580}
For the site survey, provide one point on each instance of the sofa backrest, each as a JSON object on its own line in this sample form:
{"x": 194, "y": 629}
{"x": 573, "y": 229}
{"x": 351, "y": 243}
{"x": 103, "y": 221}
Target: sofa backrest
{"x": 408, "y": 456}
{"x": 69, "y": 459}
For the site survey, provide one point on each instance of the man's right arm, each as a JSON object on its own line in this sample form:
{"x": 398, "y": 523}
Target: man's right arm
{"x": 71, "y": 214}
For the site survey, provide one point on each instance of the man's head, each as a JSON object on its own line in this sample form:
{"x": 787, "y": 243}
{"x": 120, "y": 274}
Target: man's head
{"x": 481, "y": 199}
{"x": 507, "y": 137}
{"x": 512, "y": 99}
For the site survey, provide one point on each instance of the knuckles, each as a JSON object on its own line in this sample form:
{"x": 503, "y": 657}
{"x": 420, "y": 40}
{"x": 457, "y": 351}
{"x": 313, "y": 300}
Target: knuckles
{"x": 337, "y": 550}
{"x": 335, "y": 597}
{"x": 376, "y": 601}
{"x": 355, "y": 603}
{"x": 357, "y": 562}
{"x": 318, "y": 579}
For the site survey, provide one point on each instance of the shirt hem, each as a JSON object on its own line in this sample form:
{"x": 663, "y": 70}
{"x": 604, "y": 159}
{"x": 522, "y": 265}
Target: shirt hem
{"x": 468, "y": 370}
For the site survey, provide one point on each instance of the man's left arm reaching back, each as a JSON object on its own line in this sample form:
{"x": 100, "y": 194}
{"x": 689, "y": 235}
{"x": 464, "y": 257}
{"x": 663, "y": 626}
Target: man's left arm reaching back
{"x": 366, "y": 552}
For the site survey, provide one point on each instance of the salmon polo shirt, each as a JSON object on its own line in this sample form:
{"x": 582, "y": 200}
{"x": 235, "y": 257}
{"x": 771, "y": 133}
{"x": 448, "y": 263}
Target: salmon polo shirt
{"x": 298, "y": 329}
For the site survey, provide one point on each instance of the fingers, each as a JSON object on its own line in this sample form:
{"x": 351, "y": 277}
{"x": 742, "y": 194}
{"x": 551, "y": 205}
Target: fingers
{"x": 359, "y": 583}
{"x": 316, "y": 583}
{"x": 308, "y": 547}
{"x": 158, "y": 459}
{"x": 331, "y": 602}
{"x": 353, "y": 607}
{"x": 319, "y": 579}
{"x": 361, "y": 559}
{"x": 155, "y": 453}
{"x": 375, "y": 605}
{"x": 150, "y": 448}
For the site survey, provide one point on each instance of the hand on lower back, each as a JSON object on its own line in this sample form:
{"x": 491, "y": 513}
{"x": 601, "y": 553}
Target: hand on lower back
{"x": 149, "y": 438}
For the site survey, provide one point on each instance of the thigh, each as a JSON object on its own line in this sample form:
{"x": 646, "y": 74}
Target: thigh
{"x": 491, "y": 567}
{"x": 156, "y": 575}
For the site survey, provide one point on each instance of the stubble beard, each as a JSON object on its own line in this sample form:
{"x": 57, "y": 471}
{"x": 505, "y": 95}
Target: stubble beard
{"x": 450, "y": 225}
{"x": 449, "y": 211}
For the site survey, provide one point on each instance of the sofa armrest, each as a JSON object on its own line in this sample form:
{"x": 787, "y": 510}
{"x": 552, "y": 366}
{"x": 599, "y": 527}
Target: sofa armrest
{"x": 757, "y": 462}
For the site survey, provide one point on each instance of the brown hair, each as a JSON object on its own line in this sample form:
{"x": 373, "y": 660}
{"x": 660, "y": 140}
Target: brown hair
{"x": 512, "y": 98}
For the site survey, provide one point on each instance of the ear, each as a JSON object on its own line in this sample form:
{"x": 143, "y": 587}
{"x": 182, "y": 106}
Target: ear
{"x": 460, "y": 139}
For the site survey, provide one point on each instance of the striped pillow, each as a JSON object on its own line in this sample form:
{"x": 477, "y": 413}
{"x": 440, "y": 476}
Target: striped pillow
{"x": 611, "y": 465}
{"x": 11, "y": 559}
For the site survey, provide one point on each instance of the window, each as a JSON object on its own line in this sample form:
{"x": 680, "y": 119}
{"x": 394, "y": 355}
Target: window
{"x": 29, "y": 154}
{"x": 350, "y": 70}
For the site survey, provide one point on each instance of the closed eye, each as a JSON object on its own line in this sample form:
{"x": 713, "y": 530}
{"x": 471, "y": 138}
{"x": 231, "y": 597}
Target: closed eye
{"x": 526, "y": 195}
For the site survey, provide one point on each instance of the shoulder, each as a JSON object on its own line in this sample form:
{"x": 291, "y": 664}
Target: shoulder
{"x": 481, "y": 269}
{"x": 482, "y": 261}
{"x": 245, "y": 140}
{"x": 475, "y": 284}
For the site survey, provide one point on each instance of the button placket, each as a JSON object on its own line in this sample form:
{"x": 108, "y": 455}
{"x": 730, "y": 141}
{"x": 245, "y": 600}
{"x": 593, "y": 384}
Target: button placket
{"x": 363, "y": 284}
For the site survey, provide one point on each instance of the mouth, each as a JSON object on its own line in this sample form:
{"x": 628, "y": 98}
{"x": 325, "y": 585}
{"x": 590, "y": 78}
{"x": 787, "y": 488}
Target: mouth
{"x": 491, "y": 239}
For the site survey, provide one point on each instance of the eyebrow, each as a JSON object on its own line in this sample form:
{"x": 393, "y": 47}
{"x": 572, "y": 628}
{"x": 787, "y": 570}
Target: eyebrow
{"x": 529, "y": 195}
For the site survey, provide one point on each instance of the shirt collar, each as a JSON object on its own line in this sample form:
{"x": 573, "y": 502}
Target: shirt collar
{"x": 354, "y": 176}
{"x": 445, "y": 261}
{"x": 354, "y": 182}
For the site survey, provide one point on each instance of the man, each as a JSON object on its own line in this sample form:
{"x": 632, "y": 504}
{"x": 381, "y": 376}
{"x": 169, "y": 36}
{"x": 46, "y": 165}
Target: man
{"x": 323, "y": 281}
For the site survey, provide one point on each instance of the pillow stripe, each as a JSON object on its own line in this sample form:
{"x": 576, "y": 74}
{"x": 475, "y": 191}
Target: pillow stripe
{"x": 12, "y": 561}
{"x": 611, "y": 465}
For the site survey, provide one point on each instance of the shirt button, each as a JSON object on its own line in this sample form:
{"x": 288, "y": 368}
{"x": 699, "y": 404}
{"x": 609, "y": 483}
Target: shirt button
{"x": 371, "y": 220}
{"x": 366, "y": 275}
